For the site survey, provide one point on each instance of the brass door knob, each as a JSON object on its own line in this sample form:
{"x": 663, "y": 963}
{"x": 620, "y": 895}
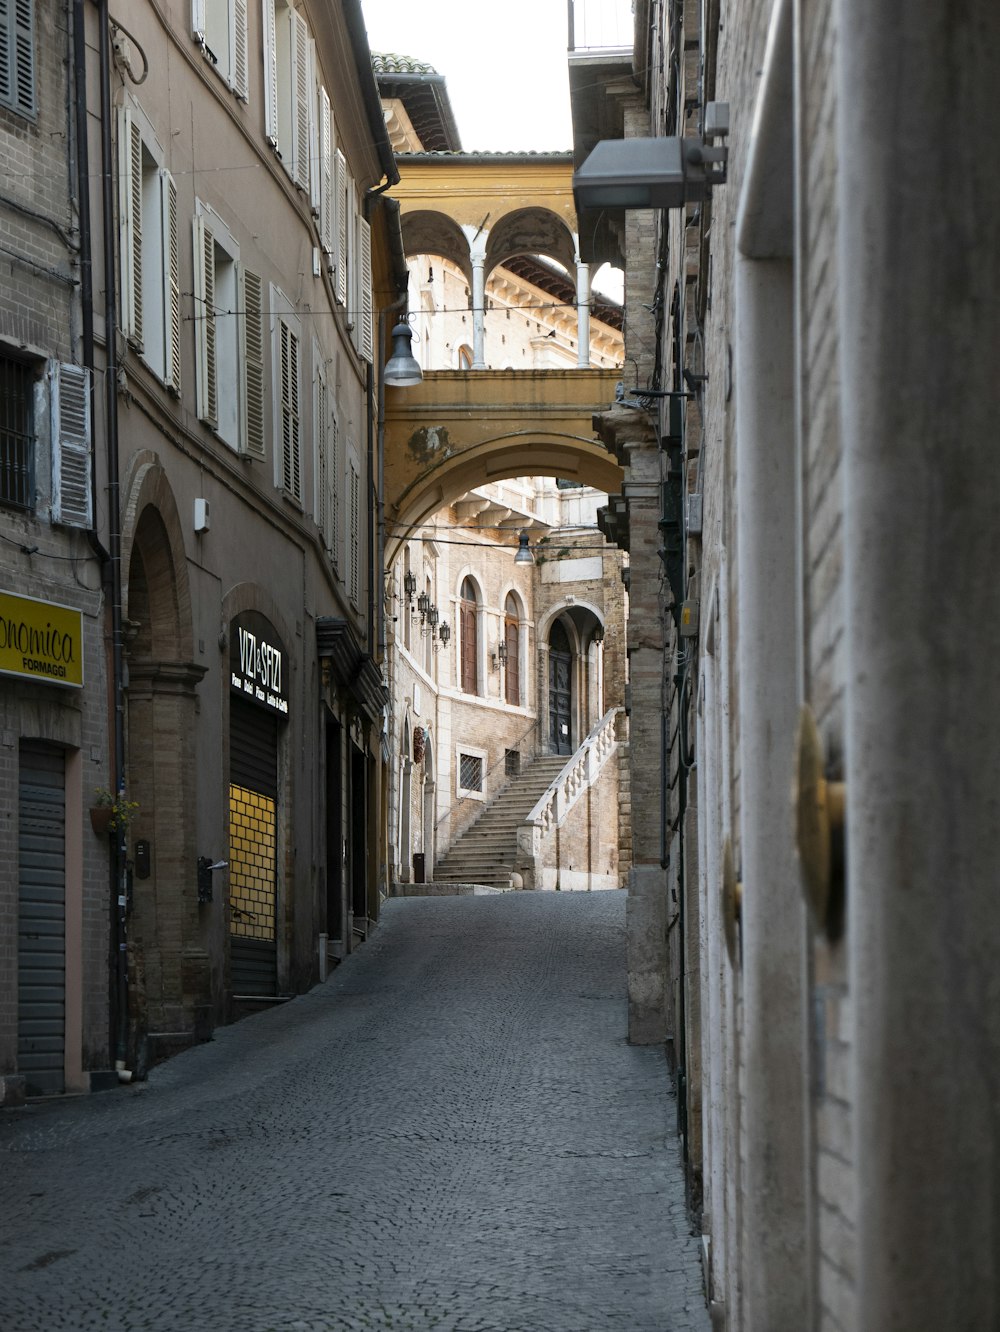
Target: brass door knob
{"x": 819, "y": 826}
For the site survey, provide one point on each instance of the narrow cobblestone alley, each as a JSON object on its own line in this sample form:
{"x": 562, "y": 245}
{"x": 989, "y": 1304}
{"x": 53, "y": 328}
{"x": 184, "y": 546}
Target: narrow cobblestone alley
{"x": 452, "y": 1133}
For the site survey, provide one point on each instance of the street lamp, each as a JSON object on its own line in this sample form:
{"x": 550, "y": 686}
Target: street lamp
{"x": 402, "y": 370}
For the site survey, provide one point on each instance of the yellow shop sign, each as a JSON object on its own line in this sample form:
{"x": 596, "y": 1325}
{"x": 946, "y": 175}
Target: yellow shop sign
{"x": 40, "y": 641}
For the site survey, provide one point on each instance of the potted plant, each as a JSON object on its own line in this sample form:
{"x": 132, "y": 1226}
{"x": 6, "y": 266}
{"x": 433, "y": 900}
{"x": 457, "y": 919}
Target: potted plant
{"x": 111, "y": 812}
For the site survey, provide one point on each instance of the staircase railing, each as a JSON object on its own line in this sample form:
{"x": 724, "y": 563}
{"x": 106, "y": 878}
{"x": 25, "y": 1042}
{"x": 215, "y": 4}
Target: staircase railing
{"x": 564, "y": 791}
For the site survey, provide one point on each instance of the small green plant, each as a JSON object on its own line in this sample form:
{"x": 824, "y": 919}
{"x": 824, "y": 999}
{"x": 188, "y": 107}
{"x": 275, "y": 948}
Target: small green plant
{"x": 122, "y": 810}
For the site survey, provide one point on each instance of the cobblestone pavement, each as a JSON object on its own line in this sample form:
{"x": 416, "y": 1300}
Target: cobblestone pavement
{"x": 452, "y": 1133}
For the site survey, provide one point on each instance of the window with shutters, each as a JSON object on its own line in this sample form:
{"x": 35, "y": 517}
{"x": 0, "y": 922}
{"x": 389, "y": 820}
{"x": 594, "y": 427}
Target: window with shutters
{"x": 364, "y": 324}
{"x": 220, "y": 29}
{"x": 17, "y": 434}
{"x": 354, "y": 529}
{"x": 288, "y": 69}
{"x": 323, "y": 182}
{"x": 69, "y": 417}
{"x": 286, "y": 392}
{"x": 150, "y": 260}
{"x": 325, "y": 454}
{"x": 17, "y": 56}
{"x": 469, "y": 637}
{"x": 222, "y": 344}
{"x": 343, "y": 192}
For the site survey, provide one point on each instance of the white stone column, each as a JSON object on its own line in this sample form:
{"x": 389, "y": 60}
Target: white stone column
{"x": 583, "y": 315}
{"x": 919, "y": 271}
{"x": 478, "y": 312}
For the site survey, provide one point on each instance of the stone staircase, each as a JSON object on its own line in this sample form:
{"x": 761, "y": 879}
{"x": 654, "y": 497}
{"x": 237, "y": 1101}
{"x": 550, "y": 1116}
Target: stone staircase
{"x": 486, "y": 851}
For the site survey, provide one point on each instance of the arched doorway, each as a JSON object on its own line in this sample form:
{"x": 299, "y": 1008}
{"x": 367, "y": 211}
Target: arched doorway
{"x": 560, "y": 690}
{"x": 169, "y": 968}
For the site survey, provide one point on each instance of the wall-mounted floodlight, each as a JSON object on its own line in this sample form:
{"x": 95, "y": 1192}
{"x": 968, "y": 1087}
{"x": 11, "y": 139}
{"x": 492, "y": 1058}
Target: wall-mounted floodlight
{"x": 653, "y": 173}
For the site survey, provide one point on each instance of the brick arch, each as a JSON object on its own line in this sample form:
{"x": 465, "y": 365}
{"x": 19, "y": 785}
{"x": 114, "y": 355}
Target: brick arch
{"x": 524, "y": 453}
{"x": 156, "y": 592}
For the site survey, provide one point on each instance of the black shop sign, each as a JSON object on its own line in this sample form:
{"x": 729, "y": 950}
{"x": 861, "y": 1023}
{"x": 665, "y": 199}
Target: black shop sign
{"x": 258, "y": 663}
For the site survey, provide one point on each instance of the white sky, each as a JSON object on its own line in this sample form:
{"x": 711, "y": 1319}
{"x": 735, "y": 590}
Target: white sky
{"x": 505, "y": 64}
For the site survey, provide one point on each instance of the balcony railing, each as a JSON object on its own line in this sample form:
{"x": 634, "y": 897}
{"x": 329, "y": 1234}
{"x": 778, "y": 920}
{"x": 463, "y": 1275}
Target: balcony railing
{"x": 597, "y": 25}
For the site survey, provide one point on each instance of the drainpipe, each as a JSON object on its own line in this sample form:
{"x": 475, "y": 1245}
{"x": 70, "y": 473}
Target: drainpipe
{"x": 86, "y": 247}
{"x": 119, "y": 1005}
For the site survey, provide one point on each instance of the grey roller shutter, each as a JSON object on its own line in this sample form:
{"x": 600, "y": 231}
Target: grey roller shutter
{"x": 41, "y": 925}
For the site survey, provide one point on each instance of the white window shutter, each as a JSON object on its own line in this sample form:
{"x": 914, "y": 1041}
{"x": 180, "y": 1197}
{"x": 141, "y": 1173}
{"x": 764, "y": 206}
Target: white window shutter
{"x": 172, "y": 287}
{"x": 288, "y": 388}
{"x": 241, "y": 51}
{"x": 206, "y": 365}
{"x": 252, "y": 359}
{"x": 325, "y": 164}
{"x": 299, "y": 34}
{"x": 198, "y": 20}
{"x": 69, "y": 410}
{"x": 366, "y": 322}
{"x": 270, "y": 75}
{"x": 130, "y": 221}
{"x": 340, "y": 189}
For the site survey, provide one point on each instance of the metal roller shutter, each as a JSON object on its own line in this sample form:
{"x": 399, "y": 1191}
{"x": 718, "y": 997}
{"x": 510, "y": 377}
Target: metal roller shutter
{"x": 41, "y": 933}
{"x": 253, "y": 791}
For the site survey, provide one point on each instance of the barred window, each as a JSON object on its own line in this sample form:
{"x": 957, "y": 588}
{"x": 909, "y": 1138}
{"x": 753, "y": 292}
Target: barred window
{"x": 470, "y": 772}
{"x": 512, "y": 763}
{"x": 17, "y": 434}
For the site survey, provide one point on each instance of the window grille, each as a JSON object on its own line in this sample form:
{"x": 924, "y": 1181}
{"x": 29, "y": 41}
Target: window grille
{"x": 470, "y": 772}
{"x": 512, "y": 763}
{"x": 17, "y": 435}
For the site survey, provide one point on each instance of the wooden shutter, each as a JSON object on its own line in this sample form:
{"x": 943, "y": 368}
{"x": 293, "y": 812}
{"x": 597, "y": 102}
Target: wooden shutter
{"x": 288, "y": 375}
{"x": 321, "y": 443}
{"x": 340, "y": 190}
{"x": 17, "y": 55}
{"x": 206, "y": 377}
{"x": 334, "y": 477}
{"x": 512, "y": 676}
{"x": 366, "y": 321}
{"x": 270, "y": 75}
{"x": 172, "y": 288}
{"x": 467, "y": 616}
{"x": 72, "y": 498}
{"x": 299, "y": 33}
{"x": 130, "y": 221}
{"x": 354, "y": 533}
{"x": 325, "y": 172}
{"x": 241, "y": 51}
{"x": 198, "y": 20}
{"x": 251, "y": 327}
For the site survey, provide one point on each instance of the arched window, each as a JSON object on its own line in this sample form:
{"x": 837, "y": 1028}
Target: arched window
{"x": 465, "y": 357}
{"x": 468, "y": 628}
{"x": 512, "y": 642}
